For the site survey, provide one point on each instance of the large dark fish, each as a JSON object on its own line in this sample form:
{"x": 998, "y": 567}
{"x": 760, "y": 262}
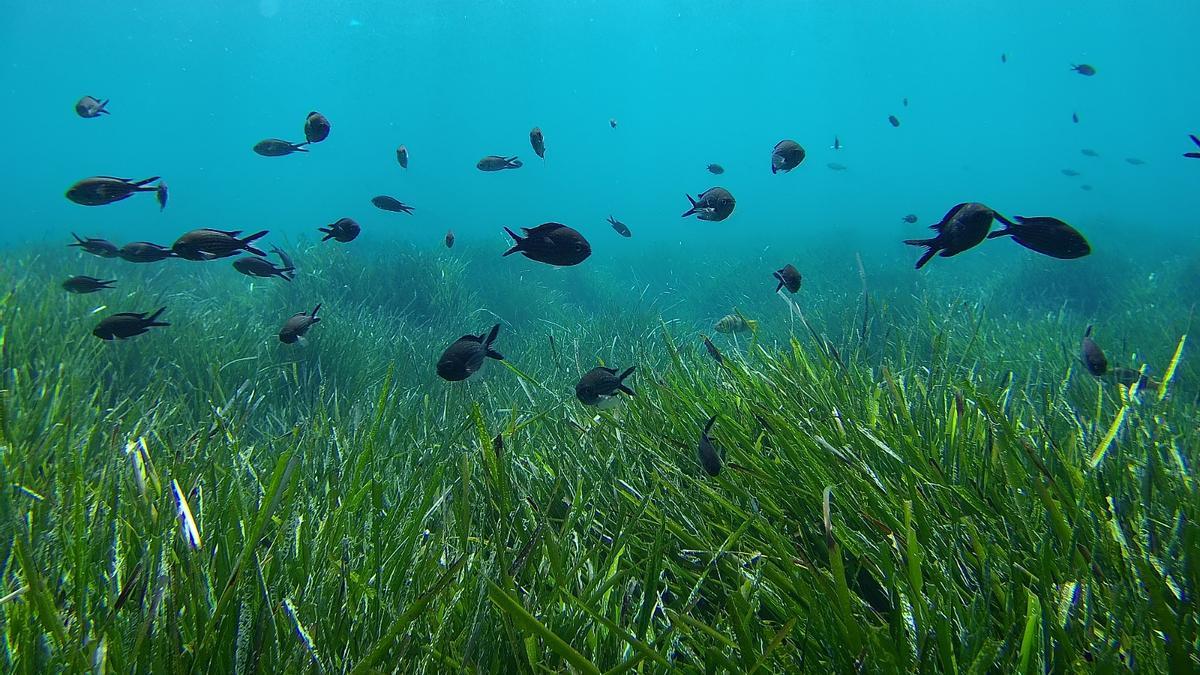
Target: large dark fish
{"x": 1091, "y": 355}
{"x": 710, "y": 457}
{"x": 1083, "y": 69}
{"x": 128, "y": 324}
{"x": 316, "y": 127}
{"x": 713, "y": 204}
{"x": 344, "y": 230}
{"x": 716, "y": 169}
{"x": 551, "y": 243}
{"x": 391, "y": 204}
{"x": 538, "y": 143}
{"x": 961, "y": 228}
{"x": 209, "y": 244}
{"x": 101, "y": 190}
{"x": 84, "y": 284}
{"x": 295, "y": 327}
{"x": 1048, "y": 236}
{"x": 1193, "y": 155}
{"x": 498, "y": 163}
{"x": 788, "y": 277}
{"x": 600, "y": 384}
{"x": 90, "y": 106}
{"x": 274, "y": 147}
{"x": 97, "y": 247}
{"x": 466, "y": 355}
{"x": 402, "y": 156}
{"x": 144, "y": 252}
{"x": 786, "y": 156}
{"x": 449, "y": 238}
{"x": 621, "y": 228}
{"x": 254, "y": 266}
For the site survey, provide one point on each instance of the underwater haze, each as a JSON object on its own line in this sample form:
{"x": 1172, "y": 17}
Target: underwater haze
{"x": 309, "y": 430}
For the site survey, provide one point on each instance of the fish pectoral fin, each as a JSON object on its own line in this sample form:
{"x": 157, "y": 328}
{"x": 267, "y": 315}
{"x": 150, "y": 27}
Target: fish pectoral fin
{"x": 627, "y": 390}
{"x": 493, "y": 354}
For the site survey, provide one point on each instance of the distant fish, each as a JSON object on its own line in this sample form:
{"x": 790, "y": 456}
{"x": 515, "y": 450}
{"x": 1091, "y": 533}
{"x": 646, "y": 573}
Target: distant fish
{"x": 735, "y": 323}
{"x": 786, "y": 155}
{"x": 128, "y": 324}
{"x": 1048, "y": 236}
{"x": 274, "y": 147}
{"x": 97, "y": 247}
{"x": 600, "y": 384}
{"x": 316, "y": 127}
{"x": 498, "y": 163}
{"x": 893, "y": 120}
{"x": 402, "y": 156}
{"x": 144, "y": 252}
{"x": 788, "y": 277}
{"x": 716, "y": 169}
{"x": 449, "y": 238}
{"x": 253, "y": 266}
{"x": 1134, "y": 161}
{"x": 297, "y": 326}
{"x": 285, "y": 259}
{"x": 712, "y": 350}
{"x": 160, "y": 195}
{"x": 621, "y": 228}
{"x": 1084, "y": 69}
{"x": 1075, "y": 118}
{"x": 905, "y": 101}
{"x": 84, "y": 284}
{"x": 391, "y": 204}
{"x": 612, "y": 122}
{"x": 834, "y": 166}
{"x": 538, "y": 142}
{"x": 709, "y": 456}
{"x": 102, "y": 190}
{"x": 1003, "y": 58}
{"x": 837, "y": 144}
{"x": 1088, "y": 152}
{"x": 345, "y": 230}
{"x": 1085, "y": 187}
{"x": 910, "y": 218}
{"x": 208, "y": 244}
{"x": 466, "y": 355}
{"x": 962, "y": 228}
{"x": 1070, "y": 172}
{"x": 90, "y": 106}
{"x": 1092, "y": 356}
{"x": 551, "y": 243}
{"x": 714, "y": 204}
{"x": 1193, "y": 155}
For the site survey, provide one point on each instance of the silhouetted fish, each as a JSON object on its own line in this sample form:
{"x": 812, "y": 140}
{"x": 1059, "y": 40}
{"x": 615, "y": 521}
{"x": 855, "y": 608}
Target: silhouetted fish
{"x": 90, "y": 106}
{"x": 498, "y": 163}
{"x": 538, "y": 142}
{"x": 1048, "y": 236}
{"x": 837, "y": 144}
{"x": 160, "y": 195}
{"x": 1075, "y": 118}
{"x": 274, "y": 147}
{"x": 1070, "y": 173}
{"x": 905, "y": 101}
{"x": 316, "y": 127}
{"x": 551, "y": 243}
{"x": 466, "y": 355}
{"x": 714, "y": 204}
{"x": 391, "y": 204}
{"x": 101, "y": 190}
{"x": 710, "y": 457}
{"x": 84, "y": 284}
{"x": 612, "y": 122}
{"x": 910, "y": 218}
{"x": 788, "y": 277}
{"x": 402, "y": 156}
{"x": 253, "y": 266}
{"x": 599, "y": 384}
{"x": 1088, "y": 152}
{"x": 961, "y": 228}
{"x": 1084, "y": 69}
{"x": 209, "y": 244}
{"x": 786, "y": 155}
{"x": 620, "y": 227}
{"x": 834, "y": 166}
{"x": 716, "y": 169}
{"x": 449, "y": 238}
{"x": 1134, "y": 161}
{"x": 712, "y": 350}
{"x": 295, "y": 327}
{"x": 144, "y": 252}
{"x": 1091, "y": 354}
{"x": 344, "y": 230}
{"x": 97, "y": 247}
{"x": 128, "y": 324}
{"x": 1004, "y": 58}
{"x": 893, "y": 120}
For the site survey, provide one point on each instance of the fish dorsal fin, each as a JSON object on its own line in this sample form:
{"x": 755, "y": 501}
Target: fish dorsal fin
{"x": 949, "y": 215}
{"x": 544, "y": 228}
{"x": 471, "y": 338}
{"x": 135, "y": 315}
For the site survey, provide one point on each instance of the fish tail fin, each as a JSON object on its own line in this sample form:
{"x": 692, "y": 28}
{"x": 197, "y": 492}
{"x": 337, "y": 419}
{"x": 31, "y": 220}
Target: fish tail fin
{"x": 101, "y": 109}
{"x": 1194, "y": 139}
{"x": 627, "y": 373}
{"x": 249, "y": 240}
{"x": 299, "y": 147}
{"x": 313, "y": 314}
{"x": 287, "y": 273}
{"x": 142, "y": 185}
{"x": 516, "y": 245}
{"x": 709, "y": 424}
{"x": 1004, "y": 231}
{"x": 1088, "y": 331}
{"x": 107, "y": 284}
{"x": 152, "y": 320}
{"x": 78, "y": 241}
{"x": 691, "y": 210}
{"x": 487, "y": 343}
{"x": 779, "y": 287}
{"x": 928, "y": 254}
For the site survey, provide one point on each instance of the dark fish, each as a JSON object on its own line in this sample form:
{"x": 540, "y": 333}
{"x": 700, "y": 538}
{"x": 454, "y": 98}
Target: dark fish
{"x": 905, "y": 102}
{"x": 316, "y": 127}
{"x": 295, "y": 327}
{"x": 101, "y": 190}
{"x": 90, "y": 106}
{"x": 1134, "y": 161}
{"x": 97, "y": 247}
{"x": 144, "y": 252}
{"x": 892, "y": 120}
{"x": 449, "y": 238}
{"x": 85, "y": 284}
{"x": 1004, "y": 58}
{"x": 1075, "y": 118}
{"x": 910, "y": 218}
{"x": 254, "y": 266}
{"x": 208, "y": 244}
{"x": 128, "y": 324}
{"x": 712, "y": 350}
{"x": 402, "y": 156}
{"x": 1048, "y": 236}
{"x": 1083, "y": 69}
{"x": 285, "y": 259}
{"x": 498, "y": 163}
{"x": 788, "y": 277}
{"x": 1128, "y": 376}
{"x": 1193, "y": 155}
{"x": 1070, "y": 172}
{"x": 1085, "y": 187}
{"x": 274, "y": 147}
{"x": 551, "y": 243}
{"x": 1091, "y": 355}
{"x": 1088, "y": 152}
{"x": 160, "y": 194}
{"x": 344, "y": 230}
{"x": 961, "y": 228}
{"x": 621, "y": 228}
{"x": 466, "y": 355}
{"x": 538, "y": 143}
{"x": 612, "y": 122}
{"x": 391, "y": 204}
{"x": 715, "y": 169}
{"x": 710, "y": 458}
{"x": 714, "y": 204}
{"x": 785, "y": 156}
{"x": 599, "y": 384}
{"x": 834, "y": 166}
{"x": 837, "y": 144}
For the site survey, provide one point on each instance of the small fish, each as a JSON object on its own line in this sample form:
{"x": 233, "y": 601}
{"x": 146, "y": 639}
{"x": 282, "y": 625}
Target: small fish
{"x": 538, "y": 142}
{"x": 834, "y": 166}
{"x": 788, "y": 277}
{"x": 893, "y": 120}
{"x": 621, "y": 228}
{"x": 402, "y": 156}
{"x": 274, "y": 147}
{"x": 1091, "y": 355}
{"x": 160, "y": 195}
{"x": 1193, "y": 155}
{"x": 786, "y": 155}
{"x": 963, "y": 227}
{"x": 1070, "y": 172}
{"x": 612, "y": 122}
{"x": 905, "y": 101}
{"x": 90, "y": 106}
{"x": 285, "y": 259}
{"x": 1088, "y": 152}
{"x": 1048, "y": 236}
{"x": 1003, "y": 58}
{"x": 735, "y": 323}
{"x": 1085, "y": 187}
{"x": 208, "y": 244}
{"x": 295, "y": 327}
{"x": 128, "y": 324}
{"x": 449, "y": 238}
{"x": 1084, "y": 69}
{"x": 710, "y": 457}
{"x": 391, "y": 204}
{"x": 714, "y": 204}
{"x": 600, "y": 384}
{"x": 498, "y": 163}
{"x": 551, "y": 243}
{"x": 712, "y": 350}
{"x": 837, "y": 144}
{"x": 1075, "y": 118}
{"x": 466, "y": 355}
{"x": 97, "y": 247}
{"x": 253, "y": 266}
{"x": 144, "y": 252}
{"x": 345, "y": 230}
{"x": 1134, "y": 161}
{"x": 102, "y": 190}
{"x": 910, "y": 218}
{"x": 85, "y": 284}
{"x": 316, "y": 127}
{"x": 715, "y": 169}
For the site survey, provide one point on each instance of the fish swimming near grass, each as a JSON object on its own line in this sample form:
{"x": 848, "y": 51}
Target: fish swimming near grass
{"x": 98, "y": 247}
{"x": 735, "y": 323}
{"x": 253, "y": 266}
{"x": 551, "y": 243}
{"x": 128, "y": 324}
{"x": 788, "y": 277}
{"x": 466, "y": 355}
{"x": 144, "y": 252}
{"x": 1092, "y": 356}
{"x": 83, "y": 284}
{"x": 295, "y": 328}
{"x": 344, "y": 230}
{"x": 707, "y": 452}
{"x": 962, "y": 228}
{"x": 600, "y": 384}
{"x": 1048, "y": 236}
{"x": 208, "y": 244}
